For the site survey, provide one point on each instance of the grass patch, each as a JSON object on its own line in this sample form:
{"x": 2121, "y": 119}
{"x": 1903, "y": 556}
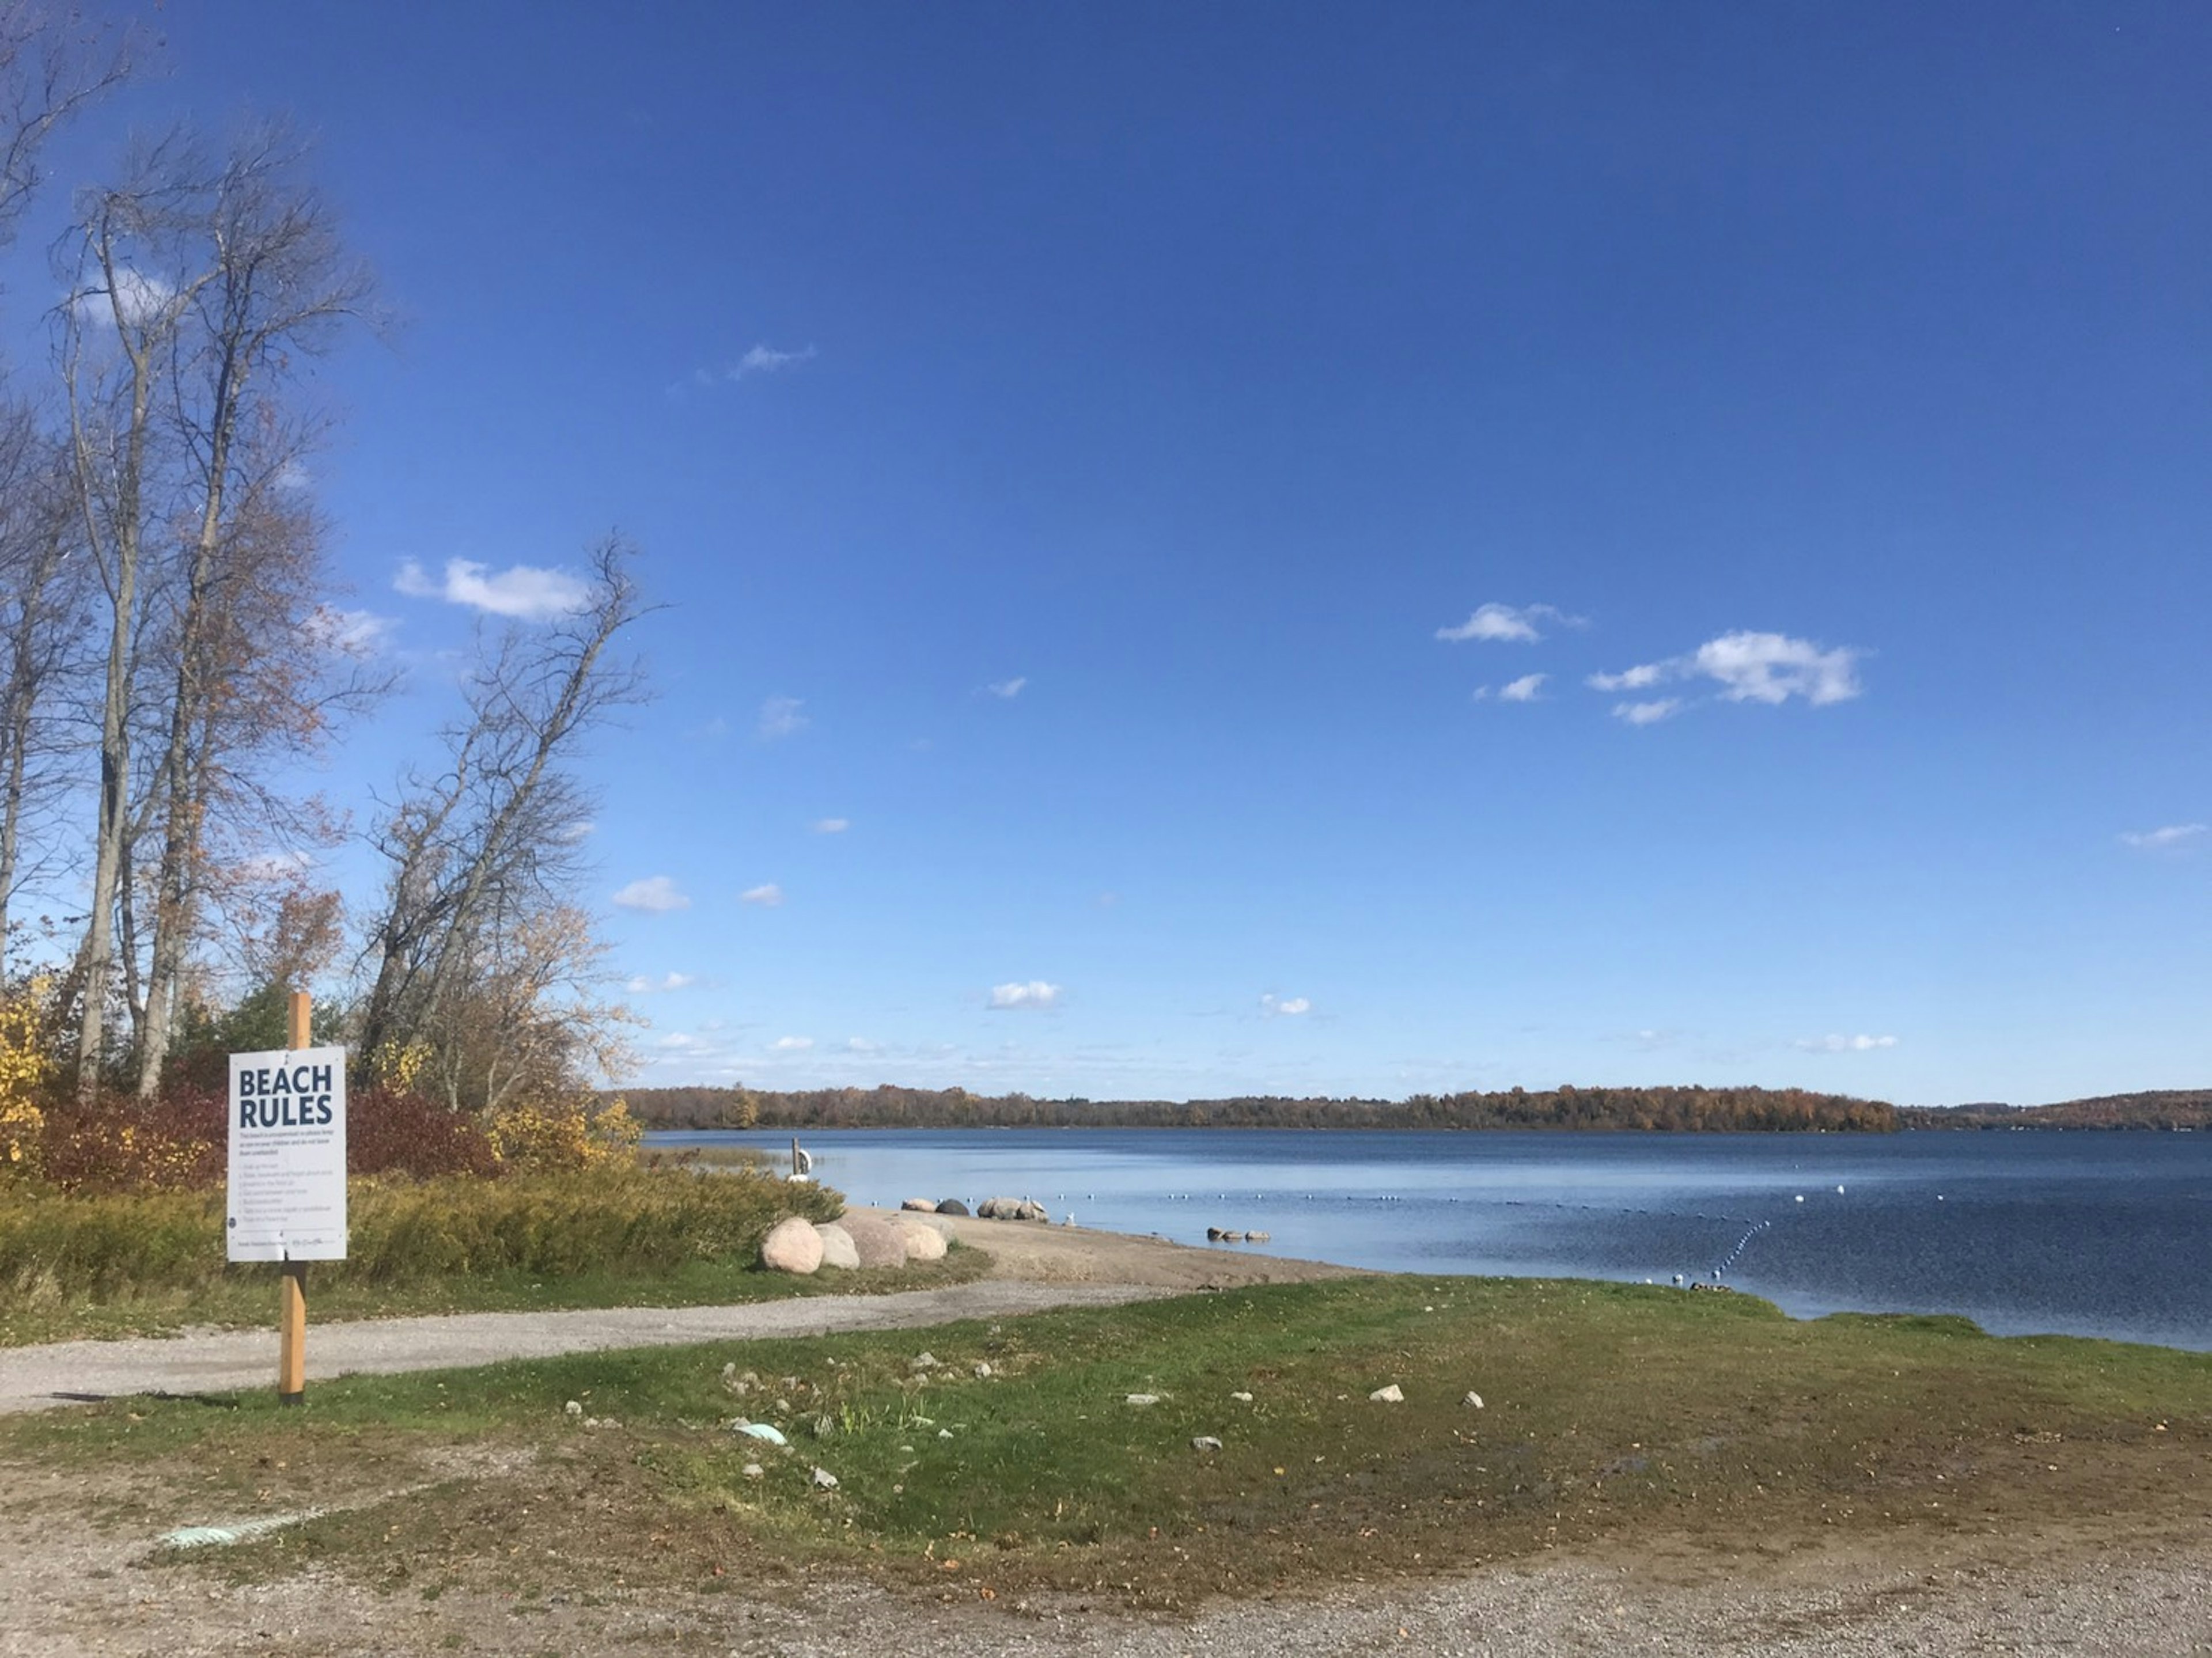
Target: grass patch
{"x": 112, "y": 1266}
{"x": 1610, "y": 1411}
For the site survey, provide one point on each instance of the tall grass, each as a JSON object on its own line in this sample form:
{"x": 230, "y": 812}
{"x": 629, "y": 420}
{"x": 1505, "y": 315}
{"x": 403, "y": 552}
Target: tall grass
{"x": 104, "y": 1249}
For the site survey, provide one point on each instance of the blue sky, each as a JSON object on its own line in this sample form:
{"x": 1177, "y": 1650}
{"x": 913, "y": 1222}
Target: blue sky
{"x": 1317, "y": 548}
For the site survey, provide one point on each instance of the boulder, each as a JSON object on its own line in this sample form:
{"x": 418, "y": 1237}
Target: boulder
{"x": 791, "y": 1246}
{"x": 950, "y": 1206}
{"x": 923, "y": 1241}
{"x": 1393, "y": 1394}
{"x": 877, "y": 1242}
{"x": 920, "y": 1206}
{"x": 837, "y": 1246}
{"x": 1009, "y": 1209}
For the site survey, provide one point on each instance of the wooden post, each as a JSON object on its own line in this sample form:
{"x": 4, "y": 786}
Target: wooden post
{"x": 292, "y": 1355}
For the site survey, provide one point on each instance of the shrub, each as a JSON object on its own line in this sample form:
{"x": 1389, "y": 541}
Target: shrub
{"x": 25, "y": 1068}
{"x": 109, "y": 1247}
{"x": 390, "y": 1131}
{"x": 115, "y": 1144}
{"x": 550, "y": 1132}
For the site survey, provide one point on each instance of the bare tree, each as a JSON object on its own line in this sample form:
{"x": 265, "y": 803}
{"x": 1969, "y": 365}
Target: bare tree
{"x": 479, "y": 954}
{"x": 53, "y": 63}
{"x": 196, "y": 289}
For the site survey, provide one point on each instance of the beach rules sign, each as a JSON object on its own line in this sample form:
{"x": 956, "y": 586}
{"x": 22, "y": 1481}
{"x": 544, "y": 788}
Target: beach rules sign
{"x": 287, "y": 1155}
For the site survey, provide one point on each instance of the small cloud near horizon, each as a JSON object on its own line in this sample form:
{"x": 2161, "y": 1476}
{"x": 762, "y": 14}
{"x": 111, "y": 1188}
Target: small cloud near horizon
{"x": 1272, "y": 1006}
{"x": 792, "y": 1044}
{"x": 640, "y": 985}
{"x": 1838, "y": 1044}
{"x": 1035, "y": 993}
{"x": 767, "y": 895}
{"x": 655, "y": 895}
{"x": 523, "y": 592}
{"x": 1513, "y": 624}
{"x": 2171, "y": 835}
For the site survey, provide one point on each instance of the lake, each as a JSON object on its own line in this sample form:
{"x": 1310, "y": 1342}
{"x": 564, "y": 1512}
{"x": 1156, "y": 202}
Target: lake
{"x": 2087, "y": 1233}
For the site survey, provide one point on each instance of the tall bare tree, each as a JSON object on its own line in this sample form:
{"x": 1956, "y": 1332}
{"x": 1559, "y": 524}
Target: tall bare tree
{"x": 197, "y": 287}
{"x": 53, "y": 63}
{"x": 479, "y": 953}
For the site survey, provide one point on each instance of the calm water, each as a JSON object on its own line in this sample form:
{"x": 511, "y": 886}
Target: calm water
{"x": 2107, "y": 1234}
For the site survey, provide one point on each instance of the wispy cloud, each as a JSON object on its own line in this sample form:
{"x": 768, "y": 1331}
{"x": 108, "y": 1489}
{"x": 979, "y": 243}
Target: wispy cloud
{"x": 1285, "y": 1006}
{"x": 1515, "y": 624}
{"x": 767, "y": 360}
{"x": 862, "y": 1045}
{"x": 640, "y": 985}
{"x": 523, "y": 591}
{"x": 1523, "y": 690}
{"x": 791, "y": 1044}
{"x": 1035, "y": 993}
{"x": 2173, "y": 835}
{"x": 1647, "y": 713}
{"x": 359, "y": 633}
{"x": 832, "y": 825}
{"x": 1008, "y": 689}
{"x": 139, "y": 296}
{"x": 1749, "y": 667}
{"x": 767, "y": 895}
{"x": 1836, "y": 1044}
{"x": 779, "y": 717}
{"x": 655, "y": 894}
{"x": 575, "y": 833}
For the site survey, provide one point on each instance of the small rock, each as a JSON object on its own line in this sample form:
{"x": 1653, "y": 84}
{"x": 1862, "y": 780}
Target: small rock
{"x": 944, "y": 1433}
{"x": 754, "y": 1470}
{"x": 1472, "y": 1401}
{"x": 573, "y": 1408}
{"x": 838, "y": 1248}
{"x": 791, "y": 1246}
{"x": 1206, "y": 1442}
{"x": 1142, "y": 1399}
{"x": 824, "y": 1480}
{"x": 982, "y": 1370}
{"x": 1393, "y": 1394}
{"x": 923, "y": 1361}
{"x": 1259, "y": 1237}
{"x": 1242, "y": 1398}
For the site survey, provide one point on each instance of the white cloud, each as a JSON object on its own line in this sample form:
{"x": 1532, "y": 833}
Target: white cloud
{"x": 521, "y": 591}
{"x": 767, "y": 895}
{"x": 1289, "y": 1006}
{"x": 780, "y": 716}
{"x": 274, "y": 865}
{"x": 569, "y": 834}
{"x": 1751, "y": 667}
{"x": 1035, "y": 993}
{"x": 832, "y": 825}
{"x": 791, "y": 1044}
{"x": 678, "y": 1041}
{"x": 293, "y": 476}
{"x": 639, "y": 984}
{"x": 1008, "y": 689}
{"x": 1836, "y": 1044}
{"x": 347, "y": 633}
{"x": 141, "y": 298}
{"x": 862, "y": 1045}
{"x": 767, "y": 360}
{"x": 1647, "y": 713}
{"x": 2173, "y": 835}
{"x": 655, "y": 893}
{"x": 1522, "y": 690}
{"x": 1516, "y": 624}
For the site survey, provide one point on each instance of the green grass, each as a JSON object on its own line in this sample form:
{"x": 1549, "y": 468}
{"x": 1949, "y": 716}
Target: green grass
{"x": 1611, "y": 1410}
{"x": 114, "y": 1266}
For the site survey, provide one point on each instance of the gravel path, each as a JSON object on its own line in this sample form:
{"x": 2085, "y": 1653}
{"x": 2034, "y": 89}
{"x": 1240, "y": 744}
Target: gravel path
{"x": 70, "y": 1372}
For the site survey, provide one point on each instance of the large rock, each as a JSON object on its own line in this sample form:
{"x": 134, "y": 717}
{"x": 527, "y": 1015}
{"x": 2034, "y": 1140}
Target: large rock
{"x": 950, "y": 1206}
{"x": 877, "y": 1242}
{"x": 791, "y": 1246}
{"x": 1009, "y": 1209}
{"x": 920, "y": 1206}
{"x": 923, "y": 1242}
{"x": 837, "y": 1246}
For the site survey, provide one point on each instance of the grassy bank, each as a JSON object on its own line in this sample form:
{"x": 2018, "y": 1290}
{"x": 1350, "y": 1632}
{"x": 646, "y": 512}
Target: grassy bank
{"x": 1611, "y": 1412}
{"x": 107, "y": 1265}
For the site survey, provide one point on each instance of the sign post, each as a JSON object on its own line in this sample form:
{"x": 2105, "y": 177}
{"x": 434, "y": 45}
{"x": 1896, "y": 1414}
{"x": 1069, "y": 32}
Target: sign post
{"x": 287, "y": 1198}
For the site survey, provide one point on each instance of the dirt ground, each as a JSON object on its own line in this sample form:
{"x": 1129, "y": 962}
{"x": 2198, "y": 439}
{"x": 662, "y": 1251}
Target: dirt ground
{"x": 80, "y": 1572}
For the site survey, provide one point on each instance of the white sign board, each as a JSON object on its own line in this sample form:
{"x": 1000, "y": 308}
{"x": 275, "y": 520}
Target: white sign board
{"x": 288, "y": 1155}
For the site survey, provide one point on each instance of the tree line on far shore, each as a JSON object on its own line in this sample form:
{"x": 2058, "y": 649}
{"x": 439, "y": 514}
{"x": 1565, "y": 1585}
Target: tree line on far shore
{"x": 2159, "y": 1108}
{"x": 1689, "y": 1108}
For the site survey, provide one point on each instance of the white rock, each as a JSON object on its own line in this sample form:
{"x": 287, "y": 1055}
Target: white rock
{"x": 1472, "y": 1401}
{"x": 982, "y": 1372}
{"x": 923, "y": 1242}
{"x": 1206, "y": 1442}
{"x": 1142, "y": 1399}
{"x": 1242, "y": 1398}
{"x": 824, "y": 1480}
{"x": 944, "y": 1433}
{"x": 838, "y": 1248}
{"x": 1393, "y": 1394}
{"x": 754, "y": 1470}
{"x": 792, "y": 1245}
{"x": 573, "y": 1408}
{"x": 923, "y": 1361}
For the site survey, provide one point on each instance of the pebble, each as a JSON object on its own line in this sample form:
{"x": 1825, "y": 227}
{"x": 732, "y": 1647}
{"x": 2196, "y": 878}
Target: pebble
{"x": 824, "y": 1480}
{"x": 1206, "y": 1442}
{"x": 1472, "y": 1401}
{"x": 1393, "y": 1394}
{"x": 1142, "y": 1399}
{"x": 1242, "y": 1398}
